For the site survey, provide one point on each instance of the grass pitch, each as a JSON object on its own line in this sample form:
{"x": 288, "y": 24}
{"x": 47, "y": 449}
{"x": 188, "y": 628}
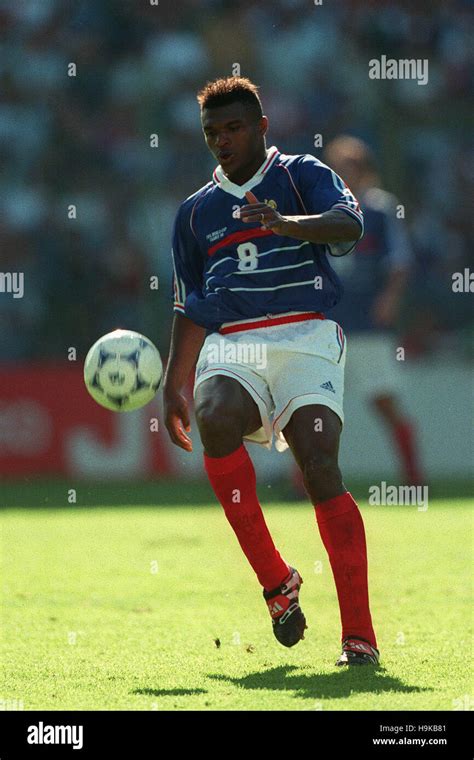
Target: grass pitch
{"x": 155, "y": 608}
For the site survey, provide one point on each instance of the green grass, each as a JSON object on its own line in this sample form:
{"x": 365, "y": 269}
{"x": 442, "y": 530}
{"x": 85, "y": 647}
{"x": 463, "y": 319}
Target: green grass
{"x": 49, "y": 492}
{"x": 88, "y": 625}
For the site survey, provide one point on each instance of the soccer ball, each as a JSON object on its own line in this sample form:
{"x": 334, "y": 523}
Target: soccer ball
{"x": 123, "y": 371}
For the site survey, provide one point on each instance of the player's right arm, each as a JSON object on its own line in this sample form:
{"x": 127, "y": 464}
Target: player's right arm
{"x": 186, "y": 336}
{"x": 186, "y": 342}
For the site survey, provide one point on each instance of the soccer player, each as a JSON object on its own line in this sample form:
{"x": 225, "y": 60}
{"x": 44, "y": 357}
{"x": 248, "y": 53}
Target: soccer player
{"x": 374, "y": 279}
{"x": 252, "y": 280}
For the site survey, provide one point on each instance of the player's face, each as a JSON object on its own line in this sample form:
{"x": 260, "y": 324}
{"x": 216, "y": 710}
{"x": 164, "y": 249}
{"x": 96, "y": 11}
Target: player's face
{"x": 235, "y": 138}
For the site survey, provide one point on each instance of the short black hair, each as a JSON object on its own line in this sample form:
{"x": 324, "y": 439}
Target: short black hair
{"x": 227, "y": 90}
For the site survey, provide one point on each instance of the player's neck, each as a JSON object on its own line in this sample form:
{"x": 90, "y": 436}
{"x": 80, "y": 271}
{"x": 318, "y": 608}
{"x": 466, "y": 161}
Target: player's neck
{"x": 242, "y": 175}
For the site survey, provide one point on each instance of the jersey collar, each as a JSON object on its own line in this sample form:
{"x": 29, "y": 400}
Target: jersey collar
{"x": 222, "y": 181}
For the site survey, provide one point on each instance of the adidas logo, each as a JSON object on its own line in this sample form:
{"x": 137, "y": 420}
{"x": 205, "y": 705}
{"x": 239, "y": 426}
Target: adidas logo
{"x": 274, "y": 608}
{"x": 362, "y": 647}
{"x": 328, "y": 386}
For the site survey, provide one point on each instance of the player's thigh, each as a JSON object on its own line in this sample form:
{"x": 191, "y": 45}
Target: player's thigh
{"x": 222, "y": 398}
{"x": 313, "y": 432}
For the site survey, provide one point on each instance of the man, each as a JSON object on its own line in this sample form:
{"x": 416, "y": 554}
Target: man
{"x": 251, "y": 272}
{"x": 375, "y": 278}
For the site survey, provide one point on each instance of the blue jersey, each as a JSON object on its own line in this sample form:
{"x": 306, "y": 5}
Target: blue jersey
{"x": 226, "y": 270}
{"x": 385, "y": 248}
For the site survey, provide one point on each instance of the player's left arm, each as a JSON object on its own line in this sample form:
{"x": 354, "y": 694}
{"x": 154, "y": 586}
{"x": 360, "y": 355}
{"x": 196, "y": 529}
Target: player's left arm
{"x": 330, "y": 227}
{"x": 333, "y": 216}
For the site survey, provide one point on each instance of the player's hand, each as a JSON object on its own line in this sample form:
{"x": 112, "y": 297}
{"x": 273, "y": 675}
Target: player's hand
{"x": 177, "y": 419}
{"x": 268, "y": 217}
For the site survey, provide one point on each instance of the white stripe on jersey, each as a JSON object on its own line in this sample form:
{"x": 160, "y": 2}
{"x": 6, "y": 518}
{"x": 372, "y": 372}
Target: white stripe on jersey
{"x": 337, "y": 181}
{"x": 350, "y": 208}
{"x": 352, "y": 212}
{"x": 275, "y": 287}
{"x": 258, "y": 271}
{"x": 263, "y": 253}
{"x": 339, "y": 185}
{"x": 179, "y": 286}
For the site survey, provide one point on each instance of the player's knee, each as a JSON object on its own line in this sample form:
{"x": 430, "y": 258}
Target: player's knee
{"x": 217, "y": 421}
{"x": 321, "y": 474}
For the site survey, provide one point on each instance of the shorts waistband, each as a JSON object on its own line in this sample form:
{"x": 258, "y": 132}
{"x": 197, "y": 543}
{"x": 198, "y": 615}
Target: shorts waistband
{"x": 270, "y": 321}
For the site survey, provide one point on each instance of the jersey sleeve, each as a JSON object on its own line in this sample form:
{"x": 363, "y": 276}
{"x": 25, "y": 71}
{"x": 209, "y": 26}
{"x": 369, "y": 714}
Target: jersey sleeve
{"x": 187, "y": 260}
{"x": 323, "y": 190}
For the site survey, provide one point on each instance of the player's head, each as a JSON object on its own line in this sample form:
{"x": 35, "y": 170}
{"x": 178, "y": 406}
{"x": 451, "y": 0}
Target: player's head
{"x": 233, "y": 122}
{"x": 352, "y": 159}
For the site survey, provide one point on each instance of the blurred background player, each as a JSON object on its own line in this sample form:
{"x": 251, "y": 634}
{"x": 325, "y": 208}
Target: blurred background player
{"x": 375, "y": 277}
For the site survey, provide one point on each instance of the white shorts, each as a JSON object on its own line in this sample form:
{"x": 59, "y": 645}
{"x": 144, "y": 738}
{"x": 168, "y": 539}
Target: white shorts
{"x": 283, "y": 367}
{"x": 372, "y": 365}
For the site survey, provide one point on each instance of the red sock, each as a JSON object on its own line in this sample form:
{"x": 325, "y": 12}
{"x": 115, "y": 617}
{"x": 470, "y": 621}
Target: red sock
{"x": 342, "y": 533}
{"x": 233, "y": 480}
{"x": 405, "y": 442}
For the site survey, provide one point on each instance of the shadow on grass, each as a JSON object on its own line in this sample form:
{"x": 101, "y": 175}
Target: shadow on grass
{"x": 169, "y": 692}
{"x": 327, "y": 685}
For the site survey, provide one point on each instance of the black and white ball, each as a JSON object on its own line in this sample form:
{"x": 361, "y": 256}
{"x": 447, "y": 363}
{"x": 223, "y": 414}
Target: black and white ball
{"x": 123, "y": 371}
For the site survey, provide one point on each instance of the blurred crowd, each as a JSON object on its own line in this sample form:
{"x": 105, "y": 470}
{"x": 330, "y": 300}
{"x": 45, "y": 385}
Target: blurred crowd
{"x": 87, "y": 197}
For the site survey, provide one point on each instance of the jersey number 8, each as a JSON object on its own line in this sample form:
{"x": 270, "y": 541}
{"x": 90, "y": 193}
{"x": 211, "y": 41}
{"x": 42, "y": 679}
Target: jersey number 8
{"x": 248, "y": 256}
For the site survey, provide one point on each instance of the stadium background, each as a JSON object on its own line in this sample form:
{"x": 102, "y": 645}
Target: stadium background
{"x": 85, "y": 140}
